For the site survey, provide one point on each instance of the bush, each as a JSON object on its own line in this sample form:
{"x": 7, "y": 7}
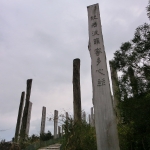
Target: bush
{"x": 46, "y": 136}
{"x": 78, "y": 136}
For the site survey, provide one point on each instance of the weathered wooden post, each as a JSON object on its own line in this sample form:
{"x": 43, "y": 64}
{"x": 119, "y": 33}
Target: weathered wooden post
{"x": 76, "y": 90}
{"x": 29, "y": 118}
{"x": 84, "y": 116}
{"x": 55, "y": 123}
{"x": 105, "y": 120}
{"x": 115, "y": 87}
{"x": 26, "y": 110}
{"x": 59, "y": 133}
{"x": 18, "y": 125}
{"x": 62, "y": 129}
{"x": 92, "y": 117}
{"x": 67, "y": 116}
{"x": 43, "y": 119}
{"x": 89, "y": 119}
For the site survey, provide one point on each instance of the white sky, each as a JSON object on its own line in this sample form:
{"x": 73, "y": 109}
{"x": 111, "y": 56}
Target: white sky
{"x": 40, "y": 38}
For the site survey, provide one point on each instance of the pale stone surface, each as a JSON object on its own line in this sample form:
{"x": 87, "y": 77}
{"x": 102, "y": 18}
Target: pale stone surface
{"x": 18, "y": 125}
{"x": 105, "y": 121}
{"x": 43, "y": 120}
{"x": 55, "y": 123}
{"x": 29, "y": 118}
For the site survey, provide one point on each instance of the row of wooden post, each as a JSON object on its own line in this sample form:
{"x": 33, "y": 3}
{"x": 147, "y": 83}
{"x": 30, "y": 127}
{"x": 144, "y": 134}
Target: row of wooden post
{"x": 24, "y": 115}
{"x": 23, "y": 121}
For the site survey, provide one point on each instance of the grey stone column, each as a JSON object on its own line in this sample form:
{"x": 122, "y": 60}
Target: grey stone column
{"x": 76, "y": 90}
{"x": 55, "y": 123}
{"x": 18, "y": 125}
{"x": 43, "y": 120}
{"x": 105, "y": 119}
{"x": 25, "y": 113}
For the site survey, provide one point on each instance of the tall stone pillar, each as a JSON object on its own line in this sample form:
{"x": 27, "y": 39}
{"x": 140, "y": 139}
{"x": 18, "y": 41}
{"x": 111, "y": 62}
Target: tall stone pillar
{"x": 105, "y": 120}
{"x": 29, "y": 118}
{"x": 55, "y": 123}
{"x": 43, "y": 120}
{"x": 18, "y": 125}
{"x": 26, "y": 110}
{"x": 76, "y": 90}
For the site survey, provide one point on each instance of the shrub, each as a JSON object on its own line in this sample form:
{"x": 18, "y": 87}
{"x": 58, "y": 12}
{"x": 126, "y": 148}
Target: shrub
{"x": 78, "y": 136}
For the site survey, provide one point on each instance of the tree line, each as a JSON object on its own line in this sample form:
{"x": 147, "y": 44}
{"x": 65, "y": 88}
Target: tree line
{"x": 132, "y": 63}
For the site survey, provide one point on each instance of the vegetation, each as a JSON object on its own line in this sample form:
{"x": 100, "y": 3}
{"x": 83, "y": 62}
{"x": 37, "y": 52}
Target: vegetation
{"x": 22, "y": 144}
{"x": 8, "y": 146}
{"x": 132, "y": 62}
{"x": 148, "y": 10}
{"x": 46, "y": 136}
{"x": 78, "y": 136}
{"x": 35, "y": 138}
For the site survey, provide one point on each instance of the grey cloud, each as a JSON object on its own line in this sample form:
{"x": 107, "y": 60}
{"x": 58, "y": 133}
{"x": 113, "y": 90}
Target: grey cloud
{"x": 40, "y": 39}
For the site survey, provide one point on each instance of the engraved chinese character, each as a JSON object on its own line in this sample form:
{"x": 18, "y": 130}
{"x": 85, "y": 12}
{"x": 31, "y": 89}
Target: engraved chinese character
{"x": 94, "y": 24}
{"x": 95, "y": 33}
{"x": 96, "y": 41}
{"x": 98, "y": 61}
{"x": 93, "y": 17}
{"x": 98, "y": 51}
{"x": 101, "y": 82}
{"x": 100, "y": 71}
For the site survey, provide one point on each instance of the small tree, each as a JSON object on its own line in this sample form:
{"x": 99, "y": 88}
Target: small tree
{"x": 148, "y": 10}
{"x": 133, "y": 63}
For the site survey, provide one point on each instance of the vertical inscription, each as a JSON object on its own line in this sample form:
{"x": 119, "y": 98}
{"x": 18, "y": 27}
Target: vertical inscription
{"x": 98, "y": 44}
{"x": 105, "y": 121}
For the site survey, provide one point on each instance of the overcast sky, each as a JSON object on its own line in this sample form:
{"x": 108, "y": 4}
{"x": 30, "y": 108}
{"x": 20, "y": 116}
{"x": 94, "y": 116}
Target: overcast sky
{"x": 40, "y": 38}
